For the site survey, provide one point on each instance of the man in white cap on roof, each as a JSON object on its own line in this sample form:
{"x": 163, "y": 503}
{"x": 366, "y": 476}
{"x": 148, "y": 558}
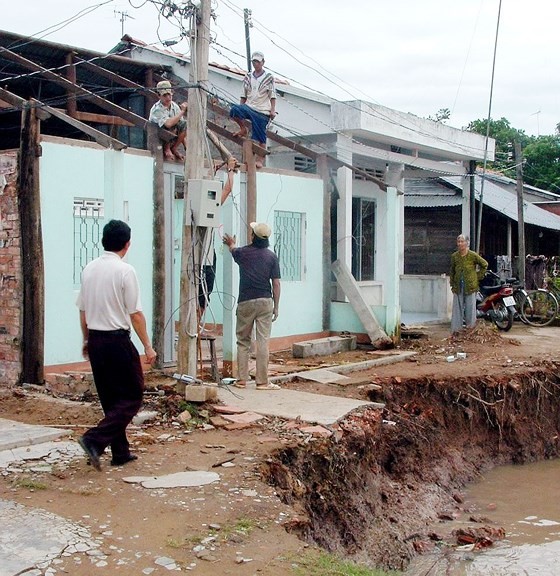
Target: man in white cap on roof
{"x": 168, "y": 114}
{"x": 258, "y": 102}
{"x": 257, "y": 304}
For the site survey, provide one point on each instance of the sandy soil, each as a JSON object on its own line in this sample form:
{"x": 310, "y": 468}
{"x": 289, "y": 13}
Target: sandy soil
{"x": 366, "y": 492}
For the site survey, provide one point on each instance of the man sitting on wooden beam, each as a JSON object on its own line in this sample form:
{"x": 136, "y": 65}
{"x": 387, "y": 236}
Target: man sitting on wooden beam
{"x": 168, "y": 114}
{"x": 258, "y": 102}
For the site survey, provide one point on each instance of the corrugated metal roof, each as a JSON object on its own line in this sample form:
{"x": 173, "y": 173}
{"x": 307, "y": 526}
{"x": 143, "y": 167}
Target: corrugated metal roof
{"x": 430, "y": 193}
{"x": 503, "y": 201}
{"x": 433, "y": 201}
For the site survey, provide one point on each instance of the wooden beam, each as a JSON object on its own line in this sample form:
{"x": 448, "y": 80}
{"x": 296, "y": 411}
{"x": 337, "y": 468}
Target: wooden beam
{"x": 18, "y": 102}
{"x": 32, "y": 263}
{"x": 138, "y": 121}
{"x": 258, "y": 150}
{"x": 98, "y": 136}
{"x": 251, "y": 196}
{"x": 100, "y": 118}
{"x": 71, "y": 76}
{"x": 286, "y": 142}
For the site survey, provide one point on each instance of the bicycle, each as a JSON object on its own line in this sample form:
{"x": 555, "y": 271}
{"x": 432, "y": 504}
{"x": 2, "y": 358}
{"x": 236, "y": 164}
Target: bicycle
{"x": 535, "y": 307}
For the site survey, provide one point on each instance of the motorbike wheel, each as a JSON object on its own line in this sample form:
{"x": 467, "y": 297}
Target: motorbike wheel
{"x": 539, "y": 308}
{"x": 502, "y": 317}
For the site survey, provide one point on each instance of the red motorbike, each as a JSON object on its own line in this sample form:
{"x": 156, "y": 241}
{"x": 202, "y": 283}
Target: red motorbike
{"x": 495, "y": 301}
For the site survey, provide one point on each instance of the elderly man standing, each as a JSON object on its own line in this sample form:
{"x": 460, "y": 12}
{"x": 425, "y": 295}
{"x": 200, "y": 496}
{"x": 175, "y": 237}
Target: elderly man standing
{"x": 168, "y": 114}
{"x": 109, "y": 303}
{"x": 257, "y": 305}
{"x": 258, "y": 102}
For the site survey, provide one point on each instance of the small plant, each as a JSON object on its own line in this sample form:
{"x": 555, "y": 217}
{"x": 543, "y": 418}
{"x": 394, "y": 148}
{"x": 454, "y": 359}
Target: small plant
{"x": 29, "y": 483}
{"x": 173, "y": 543}
{"x": 243, "y": 526}
{"x": 318, "y": 563}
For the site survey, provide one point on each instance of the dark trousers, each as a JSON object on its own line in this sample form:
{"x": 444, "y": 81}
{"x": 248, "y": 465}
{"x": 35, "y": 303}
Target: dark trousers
{"x": 119, "y": 380}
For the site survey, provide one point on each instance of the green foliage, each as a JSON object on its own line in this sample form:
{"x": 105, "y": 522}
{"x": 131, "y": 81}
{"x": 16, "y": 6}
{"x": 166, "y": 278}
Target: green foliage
{"x": 442, "y": 115}
{"x": 315, "y": 563}
{"x": 541, "y": 154}
{"x": 542, "y": 163}
{"x": 505, "y": 135}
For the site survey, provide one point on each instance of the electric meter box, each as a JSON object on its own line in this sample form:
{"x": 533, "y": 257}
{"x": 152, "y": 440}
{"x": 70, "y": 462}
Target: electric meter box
{"x": 204, "y": 199}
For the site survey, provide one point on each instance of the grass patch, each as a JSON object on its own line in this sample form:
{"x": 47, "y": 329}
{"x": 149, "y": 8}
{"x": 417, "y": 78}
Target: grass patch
{"x": 318, "y": 563}
{"x": 242, "y": 526}
{"x": 29, "y": 484}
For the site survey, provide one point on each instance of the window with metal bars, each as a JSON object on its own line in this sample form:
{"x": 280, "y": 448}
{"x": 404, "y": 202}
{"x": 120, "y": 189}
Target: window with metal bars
{"x": 289, "y": 234}
{"x": 363, "y": 239}
{"x": 88, "y": 219}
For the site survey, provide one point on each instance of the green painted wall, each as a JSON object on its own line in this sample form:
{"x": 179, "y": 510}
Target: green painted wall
{"x": 125, "y": 182}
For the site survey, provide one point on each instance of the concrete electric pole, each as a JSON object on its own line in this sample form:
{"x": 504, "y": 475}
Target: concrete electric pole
{"x": 196, "y": 150}
{"x": 520, "y": 214}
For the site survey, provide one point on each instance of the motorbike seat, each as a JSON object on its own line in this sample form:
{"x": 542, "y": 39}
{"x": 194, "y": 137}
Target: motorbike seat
{"x": 491, "y": 289}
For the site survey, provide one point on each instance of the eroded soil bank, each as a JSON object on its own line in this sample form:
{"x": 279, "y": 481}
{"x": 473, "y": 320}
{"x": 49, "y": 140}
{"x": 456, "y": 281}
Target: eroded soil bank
{"x": 372, "y": 491}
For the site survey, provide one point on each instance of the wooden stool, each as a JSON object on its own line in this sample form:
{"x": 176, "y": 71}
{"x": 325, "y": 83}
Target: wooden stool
{"x": 213, "y": 359}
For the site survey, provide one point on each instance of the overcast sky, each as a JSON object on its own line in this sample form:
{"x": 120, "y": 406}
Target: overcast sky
{"x": 414, "y": 56}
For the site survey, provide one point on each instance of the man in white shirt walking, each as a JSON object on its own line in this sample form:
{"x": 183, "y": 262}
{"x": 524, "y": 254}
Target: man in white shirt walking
{"x": 109, "y": 303}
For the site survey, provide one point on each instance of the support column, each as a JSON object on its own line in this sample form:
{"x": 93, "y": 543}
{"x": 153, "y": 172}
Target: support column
{"x": 233, "y": 225}
{"x": 344, "y": 181}
{"x": 394, "y": 243}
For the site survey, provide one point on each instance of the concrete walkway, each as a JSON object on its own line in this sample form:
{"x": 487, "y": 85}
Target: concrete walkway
{"x": 291, "y": 404}
{"x": 15, "y": 434}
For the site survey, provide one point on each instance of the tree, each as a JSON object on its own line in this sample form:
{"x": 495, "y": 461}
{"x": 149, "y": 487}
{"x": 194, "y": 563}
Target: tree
{"x": 505, "y": 135}
{"x": 542, "y": 163}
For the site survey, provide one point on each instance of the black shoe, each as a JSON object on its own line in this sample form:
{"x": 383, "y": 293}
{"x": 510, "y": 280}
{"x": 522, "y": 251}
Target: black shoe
{"x": 124, "y": 460}
{"x": 91, "y": 453}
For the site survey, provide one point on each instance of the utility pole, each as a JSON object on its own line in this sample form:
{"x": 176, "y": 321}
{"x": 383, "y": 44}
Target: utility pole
{"x": 194, "y": 170}
{"x": 247, "y": 19}
{"x": 520, "y": 216}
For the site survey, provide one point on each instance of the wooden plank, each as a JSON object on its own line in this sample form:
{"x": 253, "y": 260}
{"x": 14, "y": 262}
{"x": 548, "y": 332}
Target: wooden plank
{"x": 98, "y": 136}
{"x": 96, "y": 118}
{"x": 290, "y": 144}
{"x": 377, "y": 335}
{"x": 32, "y": 262}
{"x": 259, "y": 150}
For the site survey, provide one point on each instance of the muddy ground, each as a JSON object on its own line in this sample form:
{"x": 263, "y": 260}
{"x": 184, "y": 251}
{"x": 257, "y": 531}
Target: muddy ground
{"x": 371, "y": 492}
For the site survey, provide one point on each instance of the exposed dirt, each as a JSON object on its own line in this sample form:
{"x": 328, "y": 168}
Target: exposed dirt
{"x": 371, "y": 491}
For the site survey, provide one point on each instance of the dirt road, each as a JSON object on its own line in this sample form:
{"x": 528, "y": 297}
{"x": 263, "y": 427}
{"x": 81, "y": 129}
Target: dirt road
{"x": 367, "y": 492}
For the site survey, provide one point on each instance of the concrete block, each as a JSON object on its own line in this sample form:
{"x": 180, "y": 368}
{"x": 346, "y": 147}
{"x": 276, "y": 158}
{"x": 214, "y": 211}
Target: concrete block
{"x": 324, "y": 346}
{"x": 200, "y": 393}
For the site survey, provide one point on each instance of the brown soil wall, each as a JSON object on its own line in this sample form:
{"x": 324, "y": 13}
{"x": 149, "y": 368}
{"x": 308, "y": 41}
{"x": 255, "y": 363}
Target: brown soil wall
{"x": 373, "y": 489}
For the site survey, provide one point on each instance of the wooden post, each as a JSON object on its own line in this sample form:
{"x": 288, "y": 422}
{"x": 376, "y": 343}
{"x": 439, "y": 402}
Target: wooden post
{"x": 194, "y": 169}
{"x": 33, "y": 276}
{"x": 323, "y": 171}
{"x": 158, "y": 277}
{"x": 520, "y": 213}
{"x": 71, "y": 107}
{"x": 251, "y": 206}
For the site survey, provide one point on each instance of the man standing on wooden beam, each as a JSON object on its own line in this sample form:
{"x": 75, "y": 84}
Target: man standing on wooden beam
{"x": 258, "y": 103}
